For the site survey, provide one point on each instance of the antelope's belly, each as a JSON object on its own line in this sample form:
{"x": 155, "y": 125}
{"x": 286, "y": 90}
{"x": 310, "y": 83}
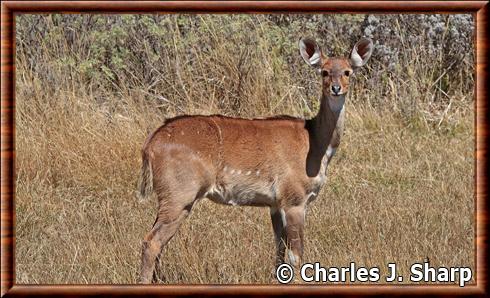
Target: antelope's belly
{"x": 243, "y": 194}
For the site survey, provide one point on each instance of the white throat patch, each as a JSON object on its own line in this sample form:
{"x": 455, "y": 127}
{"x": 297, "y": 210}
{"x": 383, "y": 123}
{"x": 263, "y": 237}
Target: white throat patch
{"x": 336, "y": 103}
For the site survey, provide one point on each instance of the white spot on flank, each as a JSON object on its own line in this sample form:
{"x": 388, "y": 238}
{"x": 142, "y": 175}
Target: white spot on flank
{"x": 248, "y": 173}
{"x": 224, "y": 169}
{"x": 232, "y": 171}
{"x": 257, "y": 173}
{"x": 239, "y": 172}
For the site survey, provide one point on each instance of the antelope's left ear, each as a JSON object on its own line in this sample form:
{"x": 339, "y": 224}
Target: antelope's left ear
{"x": 310, "y": 51}
{"x": 361, "y": 52}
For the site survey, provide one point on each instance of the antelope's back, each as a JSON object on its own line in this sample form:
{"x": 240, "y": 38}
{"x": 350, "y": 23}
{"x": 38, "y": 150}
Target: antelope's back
{"x": 259, "y": 144}
{"x": 193, "y": 134}
{"x": 242, "y": 144}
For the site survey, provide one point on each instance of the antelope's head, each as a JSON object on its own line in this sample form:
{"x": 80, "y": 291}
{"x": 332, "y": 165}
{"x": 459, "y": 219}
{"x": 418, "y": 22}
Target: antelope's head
{"x": 335, "y": 71}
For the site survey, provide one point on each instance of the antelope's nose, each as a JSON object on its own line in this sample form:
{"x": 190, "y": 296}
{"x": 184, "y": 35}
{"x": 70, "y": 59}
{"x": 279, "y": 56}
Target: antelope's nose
{"x": 336, "y": 89}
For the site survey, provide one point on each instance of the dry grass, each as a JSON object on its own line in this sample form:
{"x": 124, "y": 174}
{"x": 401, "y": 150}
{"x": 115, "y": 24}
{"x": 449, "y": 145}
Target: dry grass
{"x": 400, "y": 188}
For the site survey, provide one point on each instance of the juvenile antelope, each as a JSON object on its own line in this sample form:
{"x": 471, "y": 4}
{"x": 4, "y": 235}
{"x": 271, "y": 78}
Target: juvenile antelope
{"x": 278, "y": 162}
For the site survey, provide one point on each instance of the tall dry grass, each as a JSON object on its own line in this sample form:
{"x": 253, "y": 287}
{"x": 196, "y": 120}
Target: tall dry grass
{"x": 90, "y": 88}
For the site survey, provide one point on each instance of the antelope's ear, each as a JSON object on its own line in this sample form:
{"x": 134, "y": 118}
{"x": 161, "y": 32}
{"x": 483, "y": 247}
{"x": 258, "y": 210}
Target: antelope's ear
{"x": 310, "y": 51}
{"x": 361, "y": 52}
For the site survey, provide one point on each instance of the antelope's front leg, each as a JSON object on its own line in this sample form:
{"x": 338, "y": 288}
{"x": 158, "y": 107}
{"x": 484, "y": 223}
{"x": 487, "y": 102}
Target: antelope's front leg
{"x": 278, "y": 218}
{"x": 295, "y": 220}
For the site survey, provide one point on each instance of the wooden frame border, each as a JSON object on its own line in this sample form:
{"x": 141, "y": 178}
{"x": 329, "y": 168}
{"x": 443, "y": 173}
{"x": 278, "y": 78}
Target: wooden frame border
{"x": 10, "y": 8}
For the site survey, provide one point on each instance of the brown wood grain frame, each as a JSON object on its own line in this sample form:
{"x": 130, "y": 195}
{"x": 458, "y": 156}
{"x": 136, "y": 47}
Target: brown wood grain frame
{"x": 9, "y": 9}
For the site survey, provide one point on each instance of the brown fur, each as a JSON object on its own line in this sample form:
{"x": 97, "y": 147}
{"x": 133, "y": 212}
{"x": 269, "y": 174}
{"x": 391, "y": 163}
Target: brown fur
{"x": 146, "y": 179}
{"x": 277, "y": 162}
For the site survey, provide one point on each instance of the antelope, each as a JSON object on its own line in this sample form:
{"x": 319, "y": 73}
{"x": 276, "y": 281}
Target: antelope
{"x": 277, "y": 162}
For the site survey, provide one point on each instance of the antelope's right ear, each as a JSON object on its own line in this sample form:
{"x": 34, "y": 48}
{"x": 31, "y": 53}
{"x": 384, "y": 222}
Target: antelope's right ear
{"x": 310, "y": 51}
{"x": 361, "y": 52}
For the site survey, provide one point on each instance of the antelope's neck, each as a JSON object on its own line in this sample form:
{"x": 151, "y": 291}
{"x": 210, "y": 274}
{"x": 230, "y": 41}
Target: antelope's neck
{"x": 321, "y": 132}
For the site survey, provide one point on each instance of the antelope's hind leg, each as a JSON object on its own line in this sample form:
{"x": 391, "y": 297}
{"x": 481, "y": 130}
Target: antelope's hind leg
{"x": 170, "y": 217}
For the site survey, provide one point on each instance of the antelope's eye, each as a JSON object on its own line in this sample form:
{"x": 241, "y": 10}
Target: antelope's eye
{"x": 347, "y": 73}
{"x": 325, "y": 73}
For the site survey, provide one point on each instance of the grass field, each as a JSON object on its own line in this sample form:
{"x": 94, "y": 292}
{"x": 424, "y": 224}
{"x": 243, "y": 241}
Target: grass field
{"x": 400, "y": 189}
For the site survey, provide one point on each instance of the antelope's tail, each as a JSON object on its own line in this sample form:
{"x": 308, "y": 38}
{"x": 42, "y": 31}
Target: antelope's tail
{"x": 146, "y": 179}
